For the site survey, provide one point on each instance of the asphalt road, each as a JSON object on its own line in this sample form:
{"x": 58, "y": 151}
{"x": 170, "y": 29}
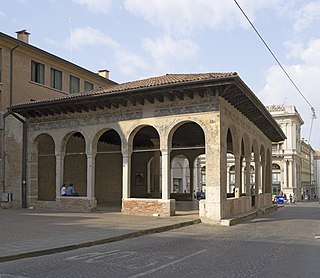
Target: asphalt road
{"x": 285, "y": 243}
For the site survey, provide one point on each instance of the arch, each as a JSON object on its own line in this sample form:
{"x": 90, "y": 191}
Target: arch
{"x": 246, "y": 145}
{"x": 75, "y": 162}
{"x": 181, "y": 137}
{"x": 46, "y": 161}
{"x": 108, "y": 168}
{"x": 233, "y": 141}
{"x": 113, "y": 134}
{"x": 187, "y": 140}
{"x": 145, "y": 163}
{"x": 230, "y": 145}
{"x": 276, "y": 166}
{"x": 197, "y": 125}
{"x": 231, "y": 180}
{"x": 231, "y": 159}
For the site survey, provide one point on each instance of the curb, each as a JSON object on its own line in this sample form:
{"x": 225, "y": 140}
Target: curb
{"x": 98, "y": 242}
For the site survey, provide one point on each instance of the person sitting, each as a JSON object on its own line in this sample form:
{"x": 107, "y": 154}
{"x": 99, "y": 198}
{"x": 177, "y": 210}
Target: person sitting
{"x": 63, "y": 190}
{"x": 70, "y": 190}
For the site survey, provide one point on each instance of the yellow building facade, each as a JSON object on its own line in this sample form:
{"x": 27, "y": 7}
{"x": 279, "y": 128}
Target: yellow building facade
{"x": 29, "y": 74}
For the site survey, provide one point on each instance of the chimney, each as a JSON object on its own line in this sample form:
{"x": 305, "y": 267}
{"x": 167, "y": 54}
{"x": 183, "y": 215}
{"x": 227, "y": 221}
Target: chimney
{"x": 23, "y": 36}
{"x": 104, "y": 73}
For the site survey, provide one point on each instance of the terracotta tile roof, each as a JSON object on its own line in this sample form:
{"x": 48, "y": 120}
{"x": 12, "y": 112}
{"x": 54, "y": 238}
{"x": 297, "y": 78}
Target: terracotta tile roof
{"x": 142, "y": 84}
{"x": 165, "y": 80}
{"x": 238, "y": 94}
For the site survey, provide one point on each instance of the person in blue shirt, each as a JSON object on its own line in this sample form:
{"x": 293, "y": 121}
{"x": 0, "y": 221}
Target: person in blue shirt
{"x": 70, "y": 190}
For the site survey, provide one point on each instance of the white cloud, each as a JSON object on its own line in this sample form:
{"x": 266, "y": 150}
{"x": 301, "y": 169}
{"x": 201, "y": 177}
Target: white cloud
{"x": 306, "y": 16}
{"x": 183, "y": 16}
{"x": 128, "y": 63}
{"x": 96, "y": 6}
{"x": 167, "y": 51}
{"x": 279, "y": 90}
{"x": 88, "y": 36}
{"x": 2, "y": 13}
{"x": 311, "y": 55}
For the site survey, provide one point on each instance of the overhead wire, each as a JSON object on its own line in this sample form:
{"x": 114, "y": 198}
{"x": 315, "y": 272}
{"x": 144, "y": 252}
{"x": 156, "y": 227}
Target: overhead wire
{"x": 313, "y": 116}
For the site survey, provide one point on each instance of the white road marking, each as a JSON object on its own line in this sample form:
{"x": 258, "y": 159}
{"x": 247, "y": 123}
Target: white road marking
{"x": 167, "y": 265}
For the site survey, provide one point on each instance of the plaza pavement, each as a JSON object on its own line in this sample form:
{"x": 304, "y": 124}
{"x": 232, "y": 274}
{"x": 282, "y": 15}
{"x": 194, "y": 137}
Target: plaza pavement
{"x": 28, "y": 232}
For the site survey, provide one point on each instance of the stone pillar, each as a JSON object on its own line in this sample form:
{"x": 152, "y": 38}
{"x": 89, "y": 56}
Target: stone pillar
{"x": 216, "y": 178}
{"x": 59, "y": 172}
{"x": 290, "y": 173}
{"x": 294, "y": 176}
{"x": 166, "y": 174}
{"x": 263, "y": 178}
{"x": 237, "y": 184}
{"x": 257, "y": 181}
{"x": 248, "y": 170}
{"x": 126, "y": 161}
{"x": 191, "y": 167}
{"x": 285, "y": 174}
{"x": 90, "y": 178}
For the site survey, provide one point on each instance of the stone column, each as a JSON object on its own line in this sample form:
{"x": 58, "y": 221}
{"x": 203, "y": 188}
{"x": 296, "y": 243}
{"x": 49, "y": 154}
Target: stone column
{"x": 166, "y": 174}
{"x": 216, "y": 177}
{"x": 290, "y": 173}
{"x": 191, "y": 167}
{"x": 91, "y": 178}
{"x": 285, "y": 174}
{"x": 237, "y": 176}
{"x": 294, "y": 176}
{"x": 257, "y": 179}
{"x": 263, "y": 178}
{"x": 126, "y": 161}
{"x": 248, "y": 170}
{"x": 59, "y": 172}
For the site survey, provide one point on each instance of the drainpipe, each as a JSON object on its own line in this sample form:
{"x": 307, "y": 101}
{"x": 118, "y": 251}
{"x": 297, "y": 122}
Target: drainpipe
{"x": 4, "y": 117}
{"x": 24, "y": 158}
{"x": 3, "y": 153}
{"x": 11, "y": 72}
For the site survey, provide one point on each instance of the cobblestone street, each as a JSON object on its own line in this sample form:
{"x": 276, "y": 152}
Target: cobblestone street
{"x": 285, "y": 243}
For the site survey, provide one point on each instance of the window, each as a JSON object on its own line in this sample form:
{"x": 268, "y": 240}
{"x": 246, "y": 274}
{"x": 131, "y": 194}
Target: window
{"x": 74, "y": 84}
{"x": 275, "y": 177}
{"x": 56, "y": 79}
{"x": 88, "y": 86}
{"x": 37, "y": 72}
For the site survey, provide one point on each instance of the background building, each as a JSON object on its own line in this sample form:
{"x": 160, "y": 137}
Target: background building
{"x": 317, "y": 172}
{"x": 286, "y": 155}
{"x": 29, "y": 74}
{"x": 308, "y": 183}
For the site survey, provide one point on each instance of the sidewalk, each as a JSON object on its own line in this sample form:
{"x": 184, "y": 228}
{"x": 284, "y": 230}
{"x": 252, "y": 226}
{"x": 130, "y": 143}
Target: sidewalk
{"x": 29, "y": 233}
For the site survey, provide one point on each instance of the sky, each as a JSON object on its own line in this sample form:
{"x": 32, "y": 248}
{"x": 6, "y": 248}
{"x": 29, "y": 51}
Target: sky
{"x": 136, "y": 39}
